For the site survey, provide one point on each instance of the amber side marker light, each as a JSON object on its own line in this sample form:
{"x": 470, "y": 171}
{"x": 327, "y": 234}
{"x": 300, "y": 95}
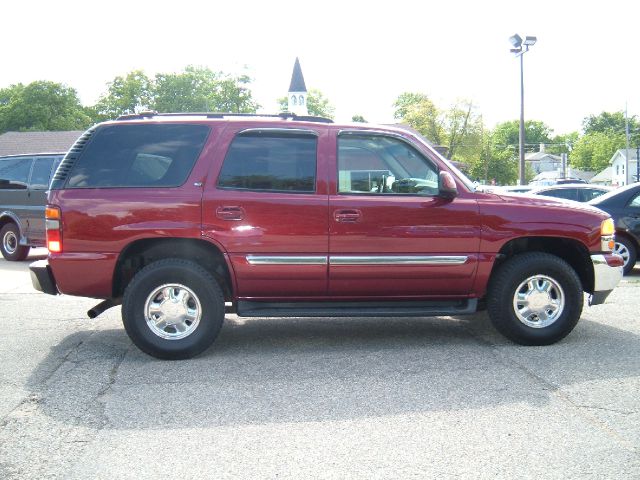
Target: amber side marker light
{"x": 54, "y": 229}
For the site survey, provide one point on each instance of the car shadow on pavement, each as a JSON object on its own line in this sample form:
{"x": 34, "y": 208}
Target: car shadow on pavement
{"x": 311, "y": 370}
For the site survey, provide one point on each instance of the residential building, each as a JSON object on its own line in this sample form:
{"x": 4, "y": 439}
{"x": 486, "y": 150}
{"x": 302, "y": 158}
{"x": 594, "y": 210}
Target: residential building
{"x": 619, "y": 175}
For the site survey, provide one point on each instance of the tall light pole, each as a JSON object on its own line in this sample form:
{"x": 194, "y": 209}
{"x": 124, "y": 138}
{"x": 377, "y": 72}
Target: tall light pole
{"x": 520, "y": 47}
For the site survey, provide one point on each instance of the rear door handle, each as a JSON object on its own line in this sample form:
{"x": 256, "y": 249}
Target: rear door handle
{"x": 230, "y": 212}
{"x": 347, "y": 215}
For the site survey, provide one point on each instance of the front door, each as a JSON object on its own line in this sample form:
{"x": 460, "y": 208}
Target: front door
{"x": 391, "y": 234}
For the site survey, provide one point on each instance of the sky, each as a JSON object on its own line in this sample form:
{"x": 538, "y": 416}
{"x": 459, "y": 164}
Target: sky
{"x": 360, "y": 54}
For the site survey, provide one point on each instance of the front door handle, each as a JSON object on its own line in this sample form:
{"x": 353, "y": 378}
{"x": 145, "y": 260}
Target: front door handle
{"x": 347, "y": 215}
{"x": 230, "y": 212}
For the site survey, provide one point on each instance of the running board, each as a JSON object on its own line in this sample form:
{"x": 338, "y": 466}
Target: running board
{"x": 357, "y": 309}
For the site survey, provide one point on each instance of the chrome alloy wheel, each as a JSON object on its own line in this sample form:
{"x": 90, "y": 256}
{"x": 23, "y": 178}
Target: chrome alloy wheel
{"x": 623, "y": 251}
{"x": 539, "y": 301}
{"x": 10, "y": 242}
{"x": 172, "y": 311}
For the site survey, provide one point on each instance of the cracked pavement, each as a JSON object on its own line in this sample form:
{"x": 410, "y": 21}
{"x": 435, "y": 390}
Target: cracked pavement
{"x": 316, "y": 398}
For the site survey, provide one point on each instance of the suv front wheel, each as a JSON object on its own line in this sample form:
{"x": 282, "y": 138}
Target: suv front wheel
{"x": 173, "y": 309}
{"x": 535, "y": 299}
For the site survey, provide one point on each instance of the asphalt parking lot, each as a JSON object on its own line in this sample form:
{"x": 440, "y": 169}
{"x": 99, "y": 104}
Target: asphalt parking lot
{"x": 322, "y": 398}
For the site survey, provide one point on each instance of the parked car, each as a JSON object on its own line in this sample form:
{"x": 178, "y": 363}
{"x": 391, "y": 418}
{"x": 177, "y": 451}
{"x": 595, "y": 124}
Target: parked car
{"x": 24, "y": 180}
{"x": 174, "y": 216}
{"x": 578, "y": 192}
{"x": 514, "y": 188}
{"x": 623, "y": 204}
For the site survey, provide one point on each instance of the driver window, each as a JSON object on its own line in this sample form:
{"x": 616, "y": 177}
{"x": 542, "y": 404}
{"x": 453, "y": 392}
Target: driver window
{"x": 375, "y": 164}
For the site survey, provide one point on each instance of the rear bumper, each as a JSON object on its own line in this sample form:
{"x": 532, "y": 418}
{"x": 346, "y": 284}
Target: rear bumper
{"x": 607, "y": 272}
{"x": 42, "y": 277}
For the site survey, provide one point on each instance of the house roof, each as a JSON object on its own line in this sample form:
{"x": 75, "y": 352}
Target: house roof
{"x": 534, "y": 157}
{"x": 297, "y": 80}
{"x": 633, "y": 156}
{"x": 18, "y": 143}
{"x": 603, "y": 176}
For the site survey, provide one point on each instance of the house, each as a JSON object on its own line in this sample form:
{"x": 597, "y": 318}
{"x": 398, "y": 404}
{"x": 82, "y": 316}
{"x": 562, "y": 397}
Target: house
{"x": 619, "y": 176}
{"x": 18, "y": 143}
{"x": 542, "y": 161}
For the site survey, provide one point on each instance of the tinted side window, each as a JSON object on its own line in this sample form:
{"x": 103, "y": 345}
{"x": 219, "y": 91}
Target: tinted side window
{"x": 14, "y": 173}
{"x": 275, "y": 162}
{"x": 587, "y": 194}
{"x": 139, "y": 156}
{"x": 41, "y": 173}
{"x": 635, "y": 201}
{"x": 376, "y": 164}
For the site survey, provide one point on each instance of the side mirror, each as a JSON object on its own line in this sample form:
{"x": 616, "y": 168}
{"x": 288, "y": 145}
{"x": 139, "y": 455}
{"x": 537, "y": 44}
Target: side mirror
{"x": 447, "y": 185}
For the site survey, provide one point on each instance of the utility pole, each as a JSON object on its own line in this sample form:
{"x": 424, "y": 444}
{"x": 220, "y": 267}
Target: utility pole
{"x": 626, "y": 158}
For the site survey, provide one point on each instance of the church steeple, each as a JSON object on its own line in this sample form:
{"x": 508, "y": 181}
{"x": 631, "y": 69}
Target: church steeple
{"x": 297, "y": 91}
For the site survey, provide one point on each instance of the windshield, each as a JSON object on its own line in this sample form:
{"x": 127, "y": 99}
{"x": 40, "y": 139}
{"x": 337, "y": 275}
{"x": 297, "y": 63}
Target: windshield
{"x": 612, "y": 193}
{"x": 463, "y": 178}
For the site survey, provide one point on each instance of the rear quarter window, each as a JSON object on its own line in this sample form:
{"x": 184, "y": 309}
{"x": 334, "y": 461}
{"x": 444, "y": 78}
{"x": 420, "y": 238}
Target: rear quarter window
{"x": 139, "y": 156}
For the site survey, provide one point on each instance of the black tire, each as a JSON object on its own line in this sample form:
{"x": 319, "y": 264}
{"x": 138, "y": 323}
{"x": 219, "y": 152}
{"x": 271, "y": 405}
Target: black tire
{"x": 547, "y": 272}
{"x": 11, "y": 250}
{"x": 627, "y": 249}
{"x": 199, "y": 292}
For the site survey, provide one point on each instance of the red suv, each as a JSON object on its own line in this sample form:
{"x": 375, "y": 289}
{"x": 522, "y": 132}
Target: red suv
{"x": 174, "y": 215}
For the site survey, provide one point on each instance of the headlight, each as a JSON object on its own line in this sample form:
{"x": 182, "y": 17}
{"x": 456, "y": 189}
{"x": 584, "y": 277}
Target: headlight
{"x": 607, "y": 230}
{"x": 607, "y": 227}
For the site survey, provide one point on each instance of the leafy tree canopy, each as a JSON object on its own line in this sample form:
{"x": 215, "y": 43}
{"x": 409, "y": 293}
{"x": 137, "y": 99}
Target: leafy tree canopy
{"x": 41, "y": 105}
{"x": 358, "y": 118}
{"x": 419, "y": 112}
{"x": 593, "y": 150}
{"x": 131, "y": 93}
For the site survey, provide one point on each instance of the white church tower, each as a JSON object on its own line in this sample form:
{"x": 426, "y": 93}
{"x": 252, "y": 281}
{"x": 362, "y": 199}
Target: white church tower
{"x": 297, "y": 91}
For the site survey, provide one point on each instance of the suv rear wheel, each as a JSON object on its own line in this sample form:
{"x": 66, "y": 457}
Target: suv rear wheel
{"x": 9, "y": 243}
{"x": 173, "y": 309}
{"x": 535, "y": 299}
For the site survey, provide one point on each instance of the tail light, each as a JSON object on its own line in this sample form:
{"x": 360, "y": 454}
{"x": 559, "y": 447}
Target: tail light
{"x": 53, "y": 223}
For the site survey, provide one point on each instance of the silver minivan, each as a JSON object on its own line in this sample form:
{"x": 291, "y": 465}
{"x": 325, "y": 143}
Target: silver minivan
{"x": 24, "y": 180}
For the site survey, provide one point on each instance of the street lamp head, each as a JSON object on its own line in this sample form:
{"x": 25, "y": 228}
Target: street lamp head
{"x": 516, "y": 40}
{"x": 530, "y": 41}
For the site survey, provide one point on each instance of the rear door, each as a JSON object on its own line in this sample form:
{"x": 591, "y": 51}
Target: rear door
{"x": 391, "y": 234}
{"x": 266, "y": 205}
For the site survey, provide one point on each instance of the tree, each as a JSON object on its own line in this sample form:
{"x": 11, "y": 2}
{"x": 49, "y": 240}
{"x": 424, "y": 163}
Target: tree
{"x": 420, "y": 113}
{"x": 317, "y": 104}
{"x": 358, "y": 118}
{"x": 200, "y": 89}
{"x": 462, "y": 131}
{"x": 507, "y": 134}
{"x": 128, "y": 94}
{"x": 41, "y": 105}
{"x": 594, "y": 150}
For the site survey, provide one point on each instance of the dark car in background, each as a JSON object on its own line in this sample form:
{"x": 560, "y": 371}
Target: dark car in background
{"x": 623, "y": 205}
{"x": 579, "y": 192}
{"x": 24, "y": 180}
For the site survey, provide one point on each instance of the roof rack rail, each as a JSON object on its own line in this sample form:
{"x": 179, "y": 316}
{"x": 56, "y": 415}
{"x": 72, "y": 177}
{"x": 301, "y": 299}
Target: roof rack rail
{"x": 282, "y": 115}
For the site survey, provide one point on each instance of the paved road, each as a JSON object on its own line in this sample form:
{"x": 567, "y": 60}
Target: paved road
{"x": 322, "y": 398}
